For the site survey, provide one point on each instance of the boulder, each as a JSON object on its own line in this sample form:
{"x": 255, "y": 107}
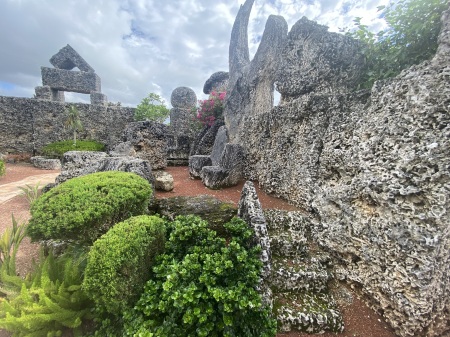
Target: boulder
{"x": 211, "y": 209}
{"x": 217, "y": 82}
{"x": 163, "y": 181}
{"x": 80, "y": 163}
{"x": 196, "y": 164}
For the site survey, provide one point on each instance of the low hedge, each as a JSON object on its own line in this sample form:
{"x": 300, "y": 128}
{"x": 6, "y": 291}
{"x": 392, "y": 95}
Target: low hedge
{"x": 120, "y": 262}
{"x": 2, "y": 167}
{"x": 57, "y": 149}
{"x": 83, "y": 208}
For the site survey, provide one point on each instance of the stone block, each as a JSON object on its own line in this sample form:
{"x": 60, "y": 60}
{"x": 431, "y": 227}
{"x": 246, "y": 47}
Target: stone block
{"x": 67, "y": 80}
{"x": 67, "y": 58}
{"x": 97, "y": 98}
{"x": 46, "y": 163}
{"x": 196, "y": 163}
{"x": 43, "y": 92}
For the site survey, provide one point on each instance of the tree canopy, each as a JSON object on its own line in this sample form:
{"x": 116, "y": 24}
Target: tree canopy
{"x": 152, "y": 108}
{"x": 410, "y": 37}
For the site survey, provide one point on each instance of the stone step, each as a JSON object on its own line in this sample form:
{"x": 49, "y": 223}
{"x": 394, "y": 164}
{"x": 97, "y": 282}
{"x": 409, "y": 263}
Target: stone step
{"x": 311, "y": 312}
{"x": 293, "y": 274}
{"x": 287, "y": 231}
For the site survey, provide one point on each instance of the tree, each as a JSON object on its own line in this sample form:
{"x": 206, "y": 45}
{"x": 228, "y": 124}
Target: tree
{"x": 73, "y": 122}
{"x": 152, "y": 108}
{"x": 413, "y": 28}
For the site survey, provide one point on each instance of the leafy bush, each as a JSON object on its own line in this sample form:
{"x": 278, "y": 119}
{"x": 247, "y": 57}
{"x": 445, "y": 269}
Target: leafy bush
{"x": 411, "y": 37}
{"x": 151, "y": 108}
{"x": 83, "y": 208}
{"x": 57, "y": 149}
{"x": 2, "y": 167}
{"x": 120, "y": 262}
{"x": 49, "y": 300}
{"x": 203, "y": 286}
{"x": 212, "y": 108}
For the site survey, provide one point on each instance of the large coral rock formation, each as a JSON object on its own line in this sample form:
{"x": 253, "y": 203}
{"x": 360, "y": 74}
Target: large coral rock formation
{"x": 145, "y": 140}
{"x": 251, "y": 83}
{"x": 373, "y": 169}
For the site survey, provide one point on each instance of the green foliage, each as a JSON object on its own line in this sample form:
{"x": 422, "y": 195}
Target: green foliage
{"x": 57, "y": 149}
{"x": 31, "y": 193}
{"x": 10, "y": 241}
{"x": 203, "y": 286}
{"x": 73, "y": 122}
{"x": 411, "y": 37}
{"x": 51, "y": 300}
{"x": 120, "y": 262}
{"x": 2, "y": 167}
{"x": 83, "y": 208}
{"x": 151, "y": 108}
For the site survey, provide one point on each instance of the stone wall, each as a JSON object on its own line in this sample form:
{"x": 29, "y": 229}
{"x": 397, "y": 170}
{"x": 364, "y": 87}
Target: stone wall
{"x": 371, "y": 167}
{"x": 26, "y": 125}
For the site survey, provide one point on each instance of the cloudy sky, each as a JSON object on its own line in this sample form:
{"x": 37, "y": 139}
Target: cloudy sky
{"x": 142, "y": 46}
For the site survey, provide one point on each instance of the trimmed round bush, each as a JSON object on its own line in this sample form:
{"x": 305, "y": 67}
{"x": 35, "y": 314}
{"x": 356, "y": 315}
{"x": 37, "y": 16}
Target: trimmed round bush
{"x": 120, "y": 262}
{"x": 83, "y": 208}
{"x": 57, "y": 149}
{"x": 2, "y": 168}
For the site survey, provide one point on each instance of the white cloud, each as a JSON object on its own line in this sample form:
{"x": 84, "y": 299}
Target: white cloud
{"x": 142, "y": 46}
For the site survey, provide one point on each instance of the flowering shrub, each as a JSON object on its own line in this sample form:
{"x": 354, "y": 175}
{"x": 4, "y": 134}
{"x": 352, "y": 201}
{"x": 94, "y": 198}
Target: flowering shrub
{"x": 212, "y": 108}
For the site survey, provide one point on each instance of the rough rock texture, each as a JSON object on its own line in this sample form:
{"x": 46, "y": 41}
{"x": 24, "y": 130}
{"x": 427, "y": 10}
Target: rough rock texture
{"x": 196, "y": 163}
{"x": 217, "y": 82}
{"x": 67, "y": 58}
{"x": 228, "y": 172}
{"x": 205, "y": 140}
{"x": 373, "y": 169}
{"x": 183, "y": 98}
{"x": 26, "y": 125}
{"x": 146, "y": 140}
{"x": 80, "y": 163}
{"x": 251, "y": 212}
{"x": 46, "y": 163}
{"x": 67, "y": 80}
{"x": 61, "y": 78}
{"x": 181, "y": 135}
{"x": 314, "y": 60}
{"x": 163, "y": 181}
{"x": 251, "y": 84}
{"x": 211, "y": 209}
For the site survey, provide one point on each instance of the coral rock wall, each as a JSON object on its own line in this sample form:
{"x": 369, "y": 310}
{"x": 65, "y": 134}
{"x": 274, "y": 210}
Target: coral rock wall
{"x": 26, "y": 124}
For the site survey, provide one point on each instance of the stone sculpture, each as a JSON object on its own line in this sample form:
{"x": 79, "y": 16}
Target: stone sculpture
{"x": 251, "y": 84}
{"x": 62, "y": 78}
{"x": 181, "y": 136}
{"x": 217, "y": 82}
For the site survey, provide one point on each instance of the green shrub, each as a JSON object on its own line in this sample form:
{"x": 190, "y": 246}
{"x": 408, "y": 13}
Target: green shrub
{"x": 57, "y": 149}
{"x": 2, "y": 167}
{"x": 49, "y": 300}
{"x": 120, "y": 262}
{"x": 203, "y": 285}
{"x": 151, "y": 108}
{"x": 83, "y": 208}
